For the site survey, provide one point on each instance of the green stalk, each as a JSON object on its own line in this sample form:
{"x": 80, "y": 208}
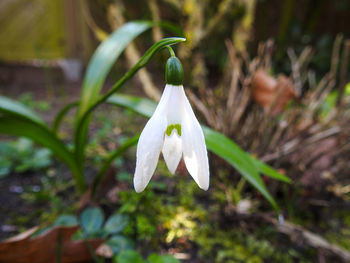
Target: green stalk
{"x": 77, "y": 171}
{"x": 61, "y": 114}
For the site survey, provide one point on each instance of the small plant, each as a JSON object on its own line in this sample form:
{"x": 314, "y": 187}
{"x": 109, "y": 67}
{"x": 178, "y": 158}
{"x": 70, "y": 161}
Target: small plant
{"x": 92, "y": 225}
{"x": 21, "y": 156}
{"x": 133, "y": 256}
{"x": 28, "y": 100}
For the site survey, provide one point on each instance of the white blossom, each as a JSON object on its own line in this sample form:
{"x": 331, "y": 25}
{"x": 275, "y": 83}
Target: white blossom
{"x": 173, "y": 130}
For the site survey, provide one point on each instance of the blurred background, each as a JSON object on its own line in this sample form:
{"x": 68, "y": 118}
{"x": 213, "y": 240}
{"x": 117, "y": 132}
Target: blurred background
{"x": 271, "y": 75}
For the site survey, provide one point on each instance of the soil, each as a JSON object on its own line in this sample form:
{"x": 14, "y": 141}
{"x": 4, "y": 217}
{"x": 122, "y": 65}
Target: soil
{"x": 12, "y": 204}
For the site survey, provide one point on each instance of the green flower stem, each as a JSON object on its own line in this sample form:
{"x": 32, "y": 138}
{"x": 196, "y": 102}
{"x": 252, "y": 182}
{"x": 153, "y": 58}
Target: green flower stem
{"x": 60, "y": 115}
{"x": 171, "y": 51}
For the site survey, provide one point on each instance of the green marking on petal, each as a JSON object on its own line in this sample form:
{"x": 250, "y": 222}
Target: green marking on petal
{"x": 173, "y": 126}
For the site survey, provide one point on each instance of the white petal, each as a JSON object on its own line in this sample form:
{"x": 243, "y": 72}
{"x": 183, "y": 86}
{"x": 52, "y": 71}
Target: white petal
{"x": 172, "y": 150}
{"x": 194, "y": 148}
{"x": 150, "y": 144}
{"x": 174, "y": 110}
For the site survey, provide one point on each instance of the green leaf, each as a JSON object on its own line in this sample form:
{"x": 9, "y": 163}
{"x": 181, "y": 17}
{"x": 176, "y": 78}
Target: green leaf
{"x": 98, "y": 68}
{"x": 104, "y": 58}
{"x": 116, "y": 223}
{"x": 171, "y": 27}
{"x": 34, "y": 160}
{"x": 269, "y": 171}
{"x": 142, "y": 106}
{"x": 20, "y": 121}
{"x": 119, "y": 243}
{"x": 16, "y": 109}
{"x": 39, "y": 133}
{"x": 155, "y": 258}
{"x": 128, "y": 256}
{"x": 41, "y": 158}
{"x": 5, "y": 167}
{"x": 60, "y": 115}
{"x": 66, "y": 220}
{"x": 91, "y": 220}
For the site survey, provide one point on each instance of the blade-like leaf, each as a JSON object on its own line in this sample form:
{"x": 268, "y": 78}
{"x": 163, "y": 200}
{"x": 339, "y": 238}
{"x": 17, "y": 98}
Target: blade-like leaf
{"x": 142, "y": 106}
{"x": 16, "y": 109}
{"x": 99, "y": 66}
{"x": 269, "y": 171}
{"x": 61, "y": 114}
{"x": 104, "y": 58}
{"x": 22, "y": 127}
{"x": 171, "y": 27}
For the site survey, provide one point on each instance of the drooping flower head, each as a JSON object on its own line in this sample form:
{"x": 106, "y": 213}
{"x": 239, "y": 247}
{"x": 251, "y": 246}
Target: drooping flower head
{"x": 173, "y": 130}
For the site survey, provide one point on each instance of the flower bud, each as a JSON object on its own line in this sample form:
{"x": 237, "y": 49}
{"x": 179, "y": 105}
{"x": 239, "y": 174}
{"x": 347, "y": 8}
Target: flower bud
{"x": 173, "y": 71}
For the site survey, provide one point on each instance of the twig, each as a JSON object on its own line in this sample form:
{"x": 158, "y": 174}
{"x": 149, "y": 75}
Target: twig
{"x": 244, "y": 99}
{"x": 267, "y": 56}
{"x": 224, "y": 8}
{"x": 210, "y": 118}
{"x": 322, "y": 135}
{"x": 295, "y": 71}
{"x": 236, "y": 71}
{"x": 98, "y": 32}
{"x": 295, "y": 144}
{"x": 343, "y": 70}
{"x": 156, "y": 30}
{"x": 335, "y": 55}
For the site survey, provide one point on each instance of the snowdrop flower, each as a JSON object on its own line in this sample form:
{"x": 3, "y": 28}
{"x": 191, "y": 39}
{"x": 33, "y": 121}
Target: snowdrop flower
{"x": 173, "y": 130}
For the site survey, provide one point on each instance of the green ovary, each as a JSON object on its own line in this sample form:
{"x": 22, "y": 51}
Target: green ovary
{"x": 173, "y": 126}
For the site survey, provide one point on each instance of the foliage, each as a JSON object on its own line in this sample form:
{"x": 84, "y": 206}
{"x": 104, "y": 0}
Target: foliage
{"x": 187, "y": 221}
{"x": 21, "y": 156}
{"x": 28, "y": 100}
{"x": 141, "y": 208}
{"x": 93, "y": 225}
{"x": 133, "y": 256}
{"x": 330, "y": 101}
{"x": 236, "y": 246}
